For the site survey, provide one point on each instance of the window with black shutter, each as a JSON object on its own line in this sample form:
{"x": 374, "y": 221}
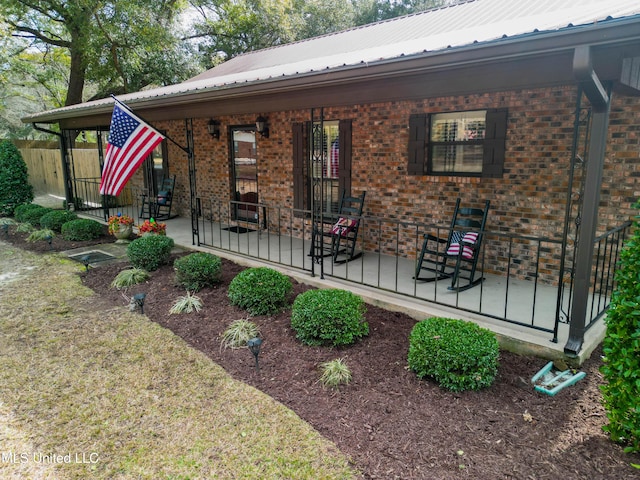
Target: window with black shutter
{"x": 470, "y": 143}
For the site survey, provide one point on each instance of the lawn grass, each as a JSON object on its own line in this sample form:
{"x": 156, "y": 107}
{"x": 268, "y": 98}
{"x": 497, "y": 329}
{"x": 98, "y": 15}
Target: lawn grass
{"x": 129, "y": 398}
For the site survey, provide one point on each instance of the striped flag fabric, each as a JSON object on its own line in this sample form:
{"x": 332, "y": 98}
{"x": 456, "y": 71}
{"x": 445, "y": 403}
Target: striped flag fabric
{"x": 130, "y": 141}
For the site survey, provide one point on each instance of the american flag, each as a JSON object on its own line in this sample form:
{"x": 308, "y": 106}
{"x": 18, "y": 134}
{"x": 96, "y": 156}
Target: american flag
{"x": 130, "y": 141}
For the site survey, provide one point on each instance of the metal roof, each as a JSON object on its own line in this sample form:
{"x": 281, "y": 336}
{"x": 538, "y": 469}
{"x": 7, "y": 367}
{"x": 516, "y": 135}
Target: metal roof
{"x": 462, "y": 25}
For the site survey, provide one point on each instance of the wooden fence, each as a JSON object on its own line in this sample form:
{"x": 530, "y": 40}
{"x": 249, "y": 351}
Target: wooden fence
{"x": 44, "y": 164}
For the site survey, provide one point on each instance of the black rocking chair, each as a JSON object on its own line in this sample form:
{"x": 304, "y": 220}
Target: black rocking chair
{"x": 341, "y": 239}
{"x": 455, "y": 257}
{"x": 159, "y": 207}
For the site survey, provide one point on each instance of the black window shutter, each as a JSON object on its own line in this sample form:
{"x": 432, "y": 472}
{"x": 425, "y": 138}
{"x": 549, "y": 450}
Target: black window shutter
{"x": 417, "y": 144}
{"x": 494, "y": 143}
{"x": 298, "y": 167}
{"x": 344, "y": 165}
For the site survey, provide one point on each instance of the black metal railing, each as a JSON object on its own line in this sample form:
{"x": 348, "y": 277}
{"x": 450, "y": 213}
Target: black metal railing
{"x": 91, "y": 203}
{"x": 521, "y": 271}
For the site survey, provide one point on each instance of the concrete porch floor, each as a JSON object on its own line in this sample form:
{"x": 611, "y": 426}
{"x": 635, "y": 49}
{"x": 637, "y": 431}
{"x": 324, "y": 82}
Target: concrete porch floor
{"x": 374, "y": 278}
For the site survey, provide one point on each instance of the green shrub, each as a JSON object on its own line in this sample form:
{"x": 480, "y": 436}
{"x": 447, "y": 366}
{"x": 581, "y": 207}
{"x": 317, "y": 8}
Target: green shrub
{"x": 260, "y": 291}
{"x": 621, "y": 348}
{"x": 329, "y": 317}
{"x": 15, "y": 188}
{"x": 21, "y": 209}
{"x": 197, "y": 270}
{"x": 148, "y": 253}
{"x": 458, "y": 355}
{"x": 33, "y": 215}
{"x": 82, "y": 229}
{"x": 54, "y": 220}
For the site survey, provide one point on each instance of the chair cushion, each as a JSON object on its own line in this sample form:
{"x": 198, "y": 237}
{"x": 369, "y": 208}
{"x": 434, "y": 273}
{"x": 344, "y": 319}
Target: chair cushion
{"x": 163, "y": 197}
{"x": 468, "y": 240}
{"x": 343, "y": 226}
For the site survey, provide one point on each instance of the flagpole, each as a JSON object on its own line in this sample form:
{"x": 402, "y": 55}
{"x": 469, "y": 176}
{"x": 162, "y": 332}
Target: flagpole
{"x": 184, "y": 149}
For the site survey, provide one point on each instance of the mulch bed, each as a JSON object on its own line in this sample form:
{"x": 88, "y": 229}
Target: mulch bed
{"x": 393, "y": 425}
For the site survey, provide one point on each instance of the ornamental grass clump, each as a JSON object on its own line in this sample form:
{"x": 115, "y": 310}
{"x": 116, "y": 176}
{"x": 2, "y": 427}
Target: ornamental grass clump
{"x": 458, "y": 355}
{"x": 55, "y": 219}
{"x": 197, "y": 271}
{"x": 260, "y": 290}
{"x": 186, "y": 304}
{"x": 148, "y": 253}
{"x": 621, "y": 348}
{"x": 40, "y": 235}
{"x": 238, "y": 333}
{"x": 329, "y": 317}
{"x": 129, "y": 277}
{"x": 335, "y": 373}
{"x": 82, "y": 229}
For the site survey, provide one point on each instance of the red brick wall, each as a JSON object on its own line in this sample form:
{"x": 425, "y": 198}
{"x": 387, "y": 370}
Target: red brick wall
{"x": 529, "y": 199}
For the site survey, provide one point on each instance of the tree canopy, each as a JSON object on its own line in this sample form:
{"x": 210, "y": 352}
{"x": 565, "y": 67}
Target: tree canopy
{"x": 58, "y": 52}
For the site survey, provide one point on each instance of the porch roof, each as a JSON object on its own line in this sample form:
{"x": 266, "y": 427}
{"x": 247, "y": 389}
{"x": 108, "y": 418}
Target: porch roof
{"x": 472, "y": 34}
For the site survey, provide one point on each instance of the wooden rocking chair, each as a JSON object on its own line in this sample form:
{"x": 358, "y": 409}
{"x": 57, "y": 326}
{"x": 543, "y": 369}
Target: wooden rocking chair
{"x": 159, "y": 207}
{"x": 341, "y": 239}
{"x": 455, "y": 257}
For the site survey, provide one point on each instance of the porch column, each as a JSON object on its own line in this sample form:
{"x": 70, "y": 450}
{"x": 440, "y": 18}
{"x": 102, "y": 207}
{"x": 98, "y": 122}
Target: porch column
{"x": 600, "y": 102}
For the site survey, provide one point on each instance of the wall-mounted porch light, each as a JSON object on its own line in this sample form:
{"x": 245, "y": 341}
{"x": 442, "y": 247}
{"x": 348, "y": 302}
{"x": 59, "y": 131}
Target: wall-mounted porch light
{"x": 261, "y": 126}
{"x": 213, "y": 128}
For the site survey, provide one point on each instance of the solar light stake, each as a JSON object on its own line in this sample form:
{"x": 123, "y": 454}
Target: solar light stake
{"x": 138, "y": 298}
{"x": 5, "y": 229}
{"x": 85, "y": 262}
{"x": 49, "y": 238}
{"x": 254, "y": 345}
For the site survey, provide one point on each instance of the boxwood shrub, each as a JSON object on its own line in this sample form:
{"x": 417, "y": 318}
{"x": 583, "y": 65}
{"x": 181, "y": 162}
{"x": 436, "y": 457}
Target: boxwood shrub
{"x": 149, "y": 252}
{"x": 329, "y": 317}
{"x": 21, "y": 209}
{"x": 197, "y": 271}
{"x": 260, "y": 290}
{"x": 33, "y": 215}
{"x": 55, "y": 219}
{"x": 458, "y": 355}
{"x": 82, "y": 229}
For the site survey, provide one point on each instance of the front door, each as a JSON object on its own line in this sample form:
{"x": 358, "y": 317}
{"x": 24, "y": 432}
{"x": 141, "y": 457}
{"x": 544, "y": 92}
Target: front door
{"x": 244, "y": 172}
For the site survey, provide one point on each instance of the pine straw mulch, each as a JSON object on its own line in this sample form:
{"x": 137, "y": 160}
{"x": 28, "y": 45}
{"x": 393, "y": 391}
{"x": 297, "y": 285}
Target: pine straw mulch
{"x": 393, "y": 425}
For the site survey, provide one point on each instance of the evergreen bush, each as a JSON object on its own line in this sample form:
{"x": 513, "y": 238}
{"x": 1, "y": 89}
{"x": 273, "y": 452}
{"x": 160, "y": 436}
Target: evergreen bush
{"x": 329, "y": 317}
{"x": 458, "y": 355}
{"x": 55, "y": 219}
{"x": 148, "y": 253}
{"x": 82, "y": 229}
{"x": 21, "y": 209}
{"x": 260, "y": 290}
{"x": 197, "y": 271}
{"x": 33, "y": 215}
{"x": 15, "y": 188}
{"x": 621, "y": 348}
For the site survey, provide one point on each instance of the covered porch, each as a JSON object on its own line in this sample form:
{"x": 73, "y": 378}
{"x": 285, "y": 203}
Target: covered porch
{"x": 518, "y": 299}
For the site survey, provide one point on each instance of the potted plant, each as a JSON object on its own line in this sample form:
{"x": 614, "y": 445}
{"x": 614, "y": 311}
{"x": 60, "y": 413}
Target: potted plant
{"x": 121, "y": 227}
{"x": 151, "y": 227}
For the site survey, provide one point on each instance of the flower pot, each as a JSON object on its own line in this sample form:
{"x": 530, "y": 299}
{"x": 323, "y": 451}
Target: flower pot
{"x": 123, "y": 234}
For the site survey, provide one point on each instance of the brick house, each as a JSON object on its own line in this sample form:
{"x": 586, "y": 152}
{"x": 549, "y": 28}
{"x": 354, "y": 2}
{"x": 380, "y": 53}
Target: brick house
{"x": 534, "y": 106}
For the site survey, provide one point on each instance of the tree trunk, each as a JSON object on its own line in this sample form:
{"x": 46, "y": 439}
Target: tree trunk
{"x": 76, "y": 77}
